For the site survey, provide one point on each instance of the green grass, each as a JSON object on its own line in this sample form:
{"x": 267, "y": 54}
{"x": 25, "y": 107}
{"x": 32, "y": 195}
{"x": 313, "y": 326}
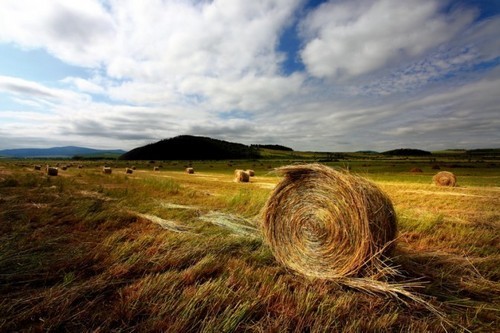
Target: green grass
{"x": 78, "y": 254}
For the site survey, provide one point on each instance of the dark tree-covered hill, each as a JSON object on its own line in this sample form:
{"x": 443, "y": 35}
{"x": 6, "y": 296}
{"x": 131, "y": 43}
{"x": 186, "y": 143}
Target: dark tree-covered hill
{"x": 273, "y": 147}
{"x": 407, "y": 152}
{"x": 188, "y": 147}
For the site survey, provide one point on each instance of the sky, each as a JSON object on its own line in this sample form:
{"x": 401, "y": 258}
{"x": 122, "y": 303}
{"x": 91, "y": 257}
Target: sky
{"x": 311, "y": 75}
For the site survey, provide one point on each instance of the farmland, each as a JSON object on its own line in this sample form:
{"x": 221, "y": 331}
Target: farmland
{"x": 170, "y": 251}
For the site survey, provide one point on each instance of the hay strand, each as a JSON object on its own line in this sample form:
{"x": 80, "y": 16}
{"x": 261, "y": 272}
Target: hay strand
{"x": 326, "y": 224}
{"x": 241, "y": 176}
{"x": 445, "y": 178}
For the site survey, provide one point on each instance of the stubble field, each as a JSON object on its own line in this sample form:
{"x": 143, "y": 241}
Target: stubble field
{"x": 169, "y": 251}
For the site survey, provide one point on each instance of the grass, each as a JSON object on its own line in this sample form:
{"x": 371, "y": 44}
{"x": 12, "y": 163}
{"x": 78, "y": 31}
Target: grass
{"x": 80, "y": 252}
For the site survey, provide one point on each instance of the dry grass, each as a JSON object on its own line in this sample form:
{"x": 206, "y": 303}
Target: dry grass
{"x": 75, "y": 256}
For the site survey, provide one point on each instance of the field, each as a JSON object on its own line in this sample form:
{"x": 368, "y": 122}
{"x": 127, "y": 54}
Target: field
{"x": 168, "y": 251}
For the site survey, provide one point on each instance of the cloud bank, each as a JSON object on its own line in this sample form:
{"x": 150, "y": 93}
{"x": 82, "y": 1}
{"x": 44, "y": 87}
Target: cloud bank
{"x": 377, "y": 74}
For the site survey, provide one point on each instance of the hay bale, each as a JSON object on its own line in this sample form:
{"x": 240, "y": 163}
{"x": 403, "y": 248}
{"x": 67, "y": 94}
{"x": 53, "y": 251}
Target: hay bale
{"x": 416, "y": 170}
{"x": 190, "y": 170}
{"x": 156, "y": 168}
{"x": 328, "y": 224}
{"x": 80, "y": 166}
{"x": 52, "y": 171}
{"x": 107, "y": 170}
{"x": 436, "y": 167}
{"x": 241, "y": 176}
{"x": 251, "y": 173}
{"x": 64, "y": 168}
{"x": 445, "y": 178}
{"x": 129, "y": 171}
{"x": 133, "y": 168}
{"x": 38, "y": 167}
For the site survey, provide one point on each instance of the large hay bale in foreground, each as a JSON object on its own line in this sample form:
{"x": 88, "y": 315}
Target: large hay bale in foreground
{"x": 445, "y": 178}
{"x": 327, "y": 224}
{"x": 106, "y": 170}
{"x": 190, "y": 170}
{"x": 241, "y": 176}
{"x": 52, "y": 171}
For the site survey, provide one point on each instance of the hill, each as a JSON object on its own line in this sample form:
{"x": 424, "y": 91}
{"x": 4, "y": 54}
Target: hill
{"x": 272, "y": 147}
{"x": 407, "y": 152}
{"x": 58, "y": 152}
{"x": 188, "y": 147}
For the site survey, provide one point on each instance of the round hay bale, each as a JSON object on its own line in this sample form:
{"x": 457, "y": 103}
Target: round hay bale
{"x": 52, "y": 171}
{"x": 328, "y": 224}
{"x": 80, "y": 166}
{"x": 156, "y": 168}
{"x": 133, "y": 168}
{"x": 241, "y": 176}
{"x": 251, "y": 173}
{"x": 129, "y": 171}
{"x": 445, "y": 178}
{"x": 64, "y": 168}
{"x": 106, "y": 170}
{"x": 38, "y": 167}
{"x": 190, "y": 170}
{"x": 416, "y": 170}
{"x": 436, "y": 167}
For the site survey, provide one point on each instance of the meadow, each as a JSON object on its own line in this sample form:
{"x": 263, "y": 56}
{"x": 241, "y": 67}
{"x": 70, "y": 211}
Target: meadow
{"x": 176, "y": 252}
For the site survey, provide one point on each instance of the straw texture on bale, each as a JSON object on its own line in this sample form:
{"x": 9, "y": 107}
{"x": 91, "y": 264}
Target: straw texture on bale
{"x": 241, "y": 176}
{"x": 445, "y": 178}
{"x": 52, "y": 171}
{"x": 251, "y": 173}
{"x": 190, "y": 170}
{"x": 327, "y": 224}
{"x": 106, "y": 170}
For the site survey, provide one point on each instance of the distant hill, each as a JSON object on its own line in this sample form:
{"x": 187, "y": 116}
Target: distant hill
{"x": 58, "y": 152}
{"x": 273, "y": 147}
{"x": 188, "y": 147}
{"x": 407, "y": 152}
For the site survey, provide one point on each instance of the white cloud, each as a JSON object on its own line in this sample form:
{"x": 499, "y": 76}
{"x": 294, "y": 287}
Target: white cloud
{"x": 350, "y": 38}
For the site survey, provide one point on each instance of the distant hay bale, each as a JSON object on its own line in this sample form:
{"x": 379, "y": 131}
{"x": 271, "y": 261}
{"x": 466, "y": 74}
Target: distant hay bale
{"x": 445, "y": 178}
{"x": 129, "y": 171}
{"x": 241, "y": 176}
{"x": 106, "y": 170}
{"x": 436, "y": 167}
{"x": 80, "y": 166}
{"x": 416, "y": 170}
{"x": 133, "y": 168}
{"x": 52, "y": 171}
{"x": 64, "y": 168}
{"x": 38, "y": 167}
{"x": 328, "y": 224}
{"x": 190, "y": 170}
{"x": 251, "y": 173}
{"x": 156, "y": 168}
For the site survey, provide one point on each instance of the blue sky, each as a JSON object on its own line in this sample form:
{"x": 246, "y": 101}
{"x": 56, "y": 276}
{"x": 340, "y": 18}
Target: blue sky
{"x": 312, "y": 75}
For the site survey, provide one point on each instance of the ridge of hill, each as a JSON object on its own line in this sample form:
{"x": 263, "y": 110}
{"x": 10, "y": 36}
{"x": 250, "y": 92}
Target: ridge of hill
{"x": 190, "y": 147}
{"x": 61, "y": 152}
